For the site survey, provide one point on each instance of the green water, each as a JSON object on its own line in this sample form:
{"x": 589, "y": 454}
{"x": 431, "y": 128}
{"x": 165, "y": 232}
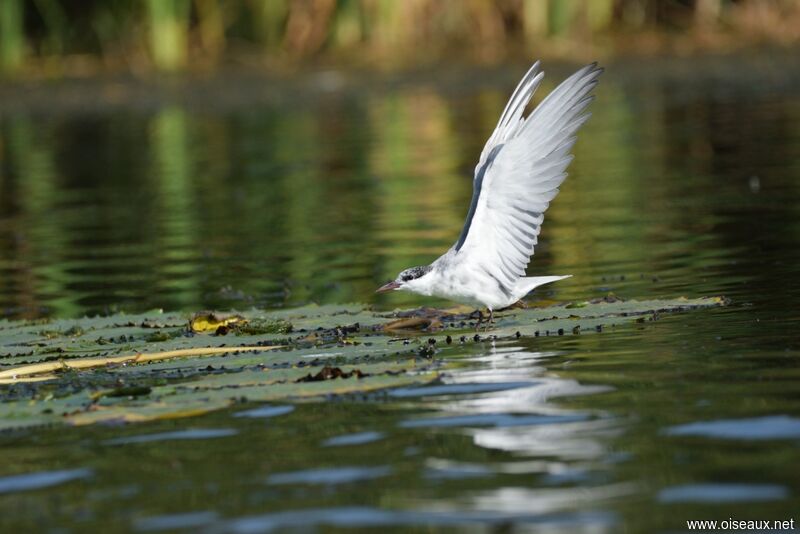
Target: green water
{"x": 686, "y": 182}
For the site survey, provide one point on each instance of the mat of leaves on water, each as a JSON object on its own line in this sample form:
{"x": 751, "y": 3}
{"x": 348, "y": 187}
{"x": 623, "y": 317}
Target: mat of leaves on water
{"x": 127, "y": 368}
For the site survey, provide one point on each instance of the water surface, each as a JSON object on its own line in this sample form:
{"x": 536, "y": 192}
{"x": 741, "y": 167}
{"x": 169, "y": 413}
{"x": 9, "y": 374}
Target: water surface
{"x": 686, "y": 182}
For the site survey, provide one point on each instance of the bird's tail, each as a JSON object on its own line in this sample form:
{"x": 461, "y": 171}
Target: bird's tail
{"x": 526, "y": 285}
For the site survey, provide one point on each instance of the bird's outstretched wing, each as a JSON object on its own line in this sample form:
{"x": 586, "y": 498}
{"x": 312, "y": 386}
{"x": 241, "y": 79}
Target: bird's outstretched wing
{"x": 521, "y": 166}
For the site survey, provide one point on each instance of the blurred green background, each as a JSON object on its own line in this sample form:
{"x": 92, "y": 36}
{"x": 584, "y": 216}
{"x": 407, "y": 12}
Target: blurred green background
{"x": 58, "y": 37}
{"x": 310, "y": 150}
{"x": 307, "y": 151}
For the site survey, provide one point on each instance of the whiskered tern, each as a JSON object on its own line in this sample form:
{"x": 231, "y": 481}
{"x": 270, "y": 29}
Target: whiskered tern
{"x": 518, "y": 174}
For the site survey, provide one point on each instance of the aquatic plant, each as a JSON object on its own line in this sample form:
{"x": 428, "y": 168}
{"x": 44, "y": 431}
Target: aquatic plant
{"x": 114, "y": 369}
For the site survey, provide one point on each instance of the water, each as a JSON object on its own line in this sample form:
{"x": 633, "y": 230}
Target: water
{"x": 686, "y": 182}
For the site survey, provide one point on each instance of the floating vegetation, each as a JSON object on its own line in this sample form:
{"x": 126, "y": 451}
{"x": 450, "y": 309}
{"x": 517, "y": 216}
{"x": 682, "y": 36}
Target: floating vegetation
{"x": 330, "y": 373}
{"x": 119, "y": 370}
{"x": 207, "y": 321}
{"x": 258, "y": 326}
{"x": 221, "y": 324}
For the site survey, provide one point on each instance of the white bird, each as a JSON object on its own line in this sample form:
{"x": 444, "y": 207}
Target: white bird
{"x": 518, "y": 174}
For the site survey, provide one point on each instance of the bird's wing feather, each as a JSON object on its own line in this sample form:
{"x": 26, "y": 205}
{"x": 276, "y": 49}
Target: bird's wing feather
{"x": 521, "y": 167}
{"x": 511, "y": 118}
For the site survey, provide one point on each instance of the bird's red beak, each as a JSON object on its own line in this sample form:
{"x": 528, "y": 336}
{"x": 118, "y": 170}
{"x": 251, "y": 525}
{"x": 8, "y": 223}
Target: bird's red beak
{"x": 388, "y": 287}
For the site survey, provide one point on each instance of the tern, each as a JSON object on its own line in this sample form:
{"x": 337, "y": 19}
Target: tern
{"x": 518, "y": 174}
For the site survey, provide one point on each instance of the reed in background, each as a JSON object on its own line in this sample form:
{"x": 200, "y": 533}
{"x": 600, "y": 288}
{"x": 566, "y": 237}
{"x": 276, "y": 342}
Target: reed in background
{"x": 174, "y": 34}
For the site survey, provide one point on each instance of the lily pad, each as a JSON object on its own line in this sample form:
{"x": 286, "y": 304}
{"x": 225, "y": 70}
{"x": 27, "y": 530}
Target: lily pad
{"x": 113, "y": 369}
{"x": 213, "y": 321}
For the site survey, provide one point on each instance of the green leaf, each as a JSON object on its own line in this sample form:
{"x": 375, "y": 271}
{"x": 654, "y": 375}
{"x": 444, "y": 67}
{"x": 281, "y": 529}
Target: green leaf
{"x": 119, "y": 368}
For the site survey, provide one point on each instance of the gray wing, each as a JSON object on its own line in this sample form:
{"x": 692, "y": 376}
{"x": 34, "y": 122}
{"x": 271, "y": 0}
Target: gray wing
{"x": 521, "y": 167}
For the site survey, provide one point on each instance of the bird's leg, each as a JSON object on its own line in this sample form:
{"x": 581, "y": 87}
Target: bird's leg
{"x": 490, "y": 321}
{"x": 480, "y": 319}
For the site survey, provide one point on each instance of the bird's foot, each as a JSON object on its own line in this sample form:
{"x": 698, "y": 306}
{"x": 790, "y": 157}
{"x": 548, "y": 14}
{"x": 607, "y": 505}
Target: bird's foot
{"x": 487, "y": 323}
{"x": 480, "y": 319}
{"x": 490, "y": 322}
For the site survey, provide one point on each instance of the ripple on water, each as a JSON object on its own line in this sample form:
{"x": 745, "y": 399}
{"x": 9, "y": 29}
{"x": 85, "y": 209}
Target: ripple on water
{"x": 756, "y": 428}
{"x": 355, "y": 517}
{"x": 42, "y": 479}
{"x": 265, "y": 411}
{"x": 175, "y": 521}
{"x": 457, "y": 389}
{"x": 359, "y": 438}
{"x": 492, "y": 419}
{"x": 584, "y": 440}
{"x": 442, "y": 469}
{"x": 722, "y": 493}
{"x": 194, "y": 433}
{"x": 333, "y": 475}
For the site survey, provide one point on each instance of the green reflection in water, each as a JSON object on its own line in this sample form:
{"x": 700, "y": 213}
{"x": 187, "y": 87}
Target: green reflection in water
{"x": 38, "y": 238}
{"x": 421, "y": 189}
{"x": 176, "y": 239}
{"x": 321, "y": 198}
{"x": 325, "y": 198}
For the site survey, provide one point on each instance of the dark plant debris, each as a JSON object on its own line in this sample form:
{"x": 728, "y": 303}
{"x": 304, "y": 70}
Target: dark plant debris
{"x": 330, "y": 373}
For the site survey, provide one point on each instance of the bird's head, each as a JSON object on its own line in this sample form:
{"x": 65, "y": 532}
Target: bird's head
{"x": 406, "y": 279}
